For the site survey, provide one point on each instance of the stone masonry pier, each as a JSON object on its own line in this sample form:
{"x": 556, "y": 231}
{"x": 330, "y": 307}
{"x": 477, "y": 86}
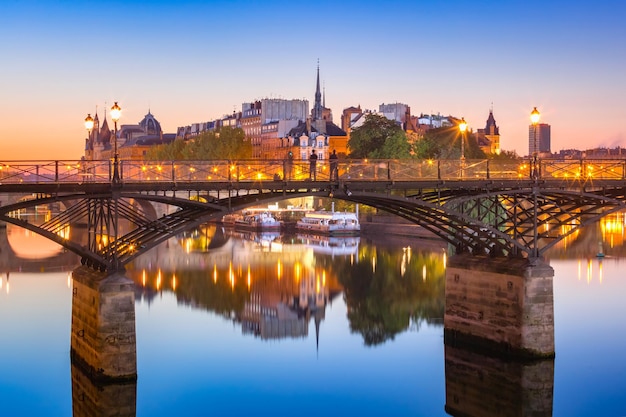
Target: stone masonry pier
{"x": 500, "y": 305}
{"x": 103, "y": 325}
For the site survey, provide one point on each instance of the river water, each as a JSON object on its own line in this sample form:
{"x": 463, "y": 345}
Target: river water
{"x": 271, "y": 325}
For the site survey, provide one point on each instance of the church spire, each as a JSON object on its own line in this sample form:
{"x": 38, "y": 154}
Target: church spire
{"x": 317, "y": 107}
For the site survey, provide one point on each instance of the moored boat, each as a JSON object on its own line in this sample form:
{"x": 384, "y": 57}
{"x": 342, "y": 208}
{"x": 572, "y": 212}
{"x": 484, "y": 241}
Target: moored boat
{"x": 258, "y": 222}
{"x": 231, "y": 218}
{"x": 333, "y": 223}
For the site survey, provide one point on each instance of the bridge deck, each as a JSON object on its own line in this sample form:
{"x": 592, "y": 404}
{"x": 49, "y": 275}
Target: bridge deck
{"x": 480, "y": 207}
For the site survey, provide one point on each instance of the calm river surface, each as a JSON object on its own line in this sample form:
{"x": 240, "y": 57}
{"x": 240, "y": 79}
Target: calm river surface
{"x": 231, "y": 326}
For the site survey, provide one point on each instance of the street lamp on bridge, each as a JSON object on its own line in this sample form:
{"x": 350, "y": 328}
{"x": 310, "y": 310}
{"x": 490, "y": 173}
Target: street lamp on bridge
{"x": 88, "y": 124}
{"x": 116, "y": 112}
{"x": 463, "y": 128}
{"x": 534, "y": 119}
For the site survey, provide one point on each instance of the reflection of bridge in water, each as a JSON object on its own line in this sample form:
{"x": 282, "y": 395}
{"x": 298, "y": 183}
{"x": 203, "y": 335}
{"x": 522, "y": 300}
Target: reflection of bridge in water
{"x": 59, "y": 259}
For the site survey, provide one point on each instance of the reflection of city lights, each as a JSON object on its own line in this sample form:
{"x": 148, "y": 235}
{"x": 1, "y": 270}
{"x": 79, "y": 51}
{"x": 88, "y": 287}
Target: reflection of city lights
{"x": 324, "y": 278}
{"x": 143, "y": 278}
{"x": 298, "y": 271}
{"x": 249, "y": 277}
{"x": 600, "y": 272}
{"x": 158, "y": 283}
{"x": 69, "y": 280}
{"x": 374, "y": 263}
{"x": 424, "y": 273}
{"x": 214, "y": 273}
{"x": 279, "y": 269}
{"x": 174, "y": 282}
{"x": 231, "y": 275}
{"x": 589, "y": 270}
{"x": 403, "y": 262}
{"x": 612, "y": 228}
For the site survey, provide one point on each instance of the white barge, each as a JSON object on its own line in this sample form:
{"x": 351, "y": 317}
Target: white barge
{"x": 258, "y": 222}
{"x": 333, "y": 223}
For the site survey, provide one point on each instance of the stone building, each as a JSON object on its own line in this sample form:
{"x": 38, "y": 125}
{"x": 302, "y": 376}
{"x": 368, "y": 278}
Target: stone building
{"x": 133, "y": 141}
{"x": 489, "y": 138}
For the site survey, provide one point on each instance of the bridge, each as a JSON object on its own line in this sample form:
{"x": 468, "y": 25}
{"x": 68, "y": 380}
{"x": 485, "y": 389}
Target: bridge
{"x": 481, "y": 207}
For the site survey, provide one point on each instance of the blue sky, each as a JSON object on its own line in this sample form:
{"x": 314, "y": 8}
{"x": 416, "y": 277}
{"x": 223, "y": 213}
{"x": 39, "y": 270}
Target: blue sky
{"x": 194, "y": 61}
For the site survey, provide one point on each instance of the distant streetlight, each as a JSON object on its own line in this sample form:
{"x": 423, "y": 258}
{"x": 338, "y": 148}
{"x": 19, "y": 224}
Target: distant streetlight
{"x": 534, "y": 119}
{"x": 463, "y": 128}
{"x": 116, "y": 112}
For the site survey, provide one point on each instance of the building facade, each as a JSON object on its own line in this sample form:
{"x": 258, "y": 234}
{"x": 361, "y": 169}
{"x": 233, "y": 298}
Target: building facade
{"x": 539, "y": 139}
{"x": 132, "y": 141}
{"x": 489, "y": 138}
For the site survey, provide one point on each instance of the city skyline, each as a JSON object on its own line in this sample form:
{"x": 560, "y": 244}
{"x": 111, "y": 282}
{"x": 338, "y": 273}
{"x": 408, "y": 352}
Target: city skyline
{"x": 196, "y": 61}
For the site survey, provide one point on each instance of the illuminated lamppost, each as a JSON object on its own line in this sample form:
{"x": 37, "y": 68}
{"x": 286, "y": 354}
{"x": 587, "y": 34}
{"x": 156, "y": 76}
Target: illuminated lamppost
{"x": 89, "y": 127}
{"x": 88, "y": 124}
{"x": 463, "y": 128}
{"x": 534, "y": 119}
{"x": 116, "y": 112}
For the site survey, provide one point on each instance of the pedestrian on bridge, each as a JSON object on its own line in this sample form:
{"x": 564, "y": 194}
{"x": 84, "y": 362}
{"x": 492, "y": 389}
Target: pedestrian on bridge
{"x": 288, "y": 166}
{"x": 313, "y": 166}
{"x": 334, "y": 163}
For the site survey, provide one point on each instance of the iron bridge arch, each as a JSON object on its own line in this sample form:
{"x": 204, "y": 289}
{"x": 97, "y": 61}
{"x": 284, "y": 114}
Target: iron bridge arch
{"x": 500, "y": 218}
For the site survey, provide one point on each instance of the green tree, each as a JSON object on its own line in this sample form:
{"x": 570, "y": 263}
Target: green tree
{"x": 227, "y": 143}
{"x": 169, "y": 152}
{"x": 378, "y": 137}
{"x": 445, "y": 143}
{"x": 505, "y": 156}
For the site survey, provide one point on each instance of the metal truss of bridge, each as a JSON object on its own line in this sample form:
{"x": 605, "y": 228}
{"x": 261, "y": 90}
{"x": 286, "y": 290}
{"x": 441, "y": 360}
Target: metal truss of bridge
{"x": 480, "y": 207}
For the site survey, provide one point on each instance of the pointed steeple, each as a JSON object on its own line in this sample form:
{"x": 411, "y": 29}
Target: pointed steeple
{"x": 317, "y": 107}
{"x": 491, "y": 128}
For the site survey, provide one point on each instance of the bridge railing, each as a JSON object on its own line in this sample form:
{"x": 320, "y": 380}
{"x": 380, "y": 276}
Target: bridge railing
{"x": 38, "y": 172}
{"x": 12, "y": 172}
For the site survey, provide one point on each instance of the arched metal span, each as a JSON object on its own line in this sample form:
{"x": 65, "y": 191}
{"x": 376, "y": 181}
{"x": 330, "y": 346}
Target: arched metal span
{"x": 502, "y": 218}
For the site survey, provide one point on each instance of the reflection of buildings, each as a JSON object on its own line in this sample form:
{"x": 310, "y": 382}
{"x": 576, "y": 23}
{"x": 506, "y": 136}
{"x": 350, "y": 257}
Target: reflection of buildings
{"x": 273, "y": 287}
{"x": 606, "y": 236}
{"x": 272, "y": 314}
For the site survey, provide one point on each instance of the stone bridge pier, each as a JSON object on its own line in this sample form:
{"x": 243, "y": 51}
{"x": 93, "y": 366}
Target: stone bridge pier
{"x": 500, "y": 305}
{"x": 103, "y": 341}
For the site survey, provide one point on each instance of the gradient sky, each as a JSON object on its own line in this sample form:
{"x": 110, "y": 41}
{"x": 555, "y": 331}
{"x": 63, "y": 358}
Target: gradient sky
{"x": 194, "y": 61}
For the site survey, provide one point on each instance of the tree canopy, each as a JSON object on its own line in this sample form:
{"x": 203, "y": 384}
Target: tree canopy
{"x": 379, "y": 137}
{"x": 227, "y": 143}
{"x": 445, "y": 143}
